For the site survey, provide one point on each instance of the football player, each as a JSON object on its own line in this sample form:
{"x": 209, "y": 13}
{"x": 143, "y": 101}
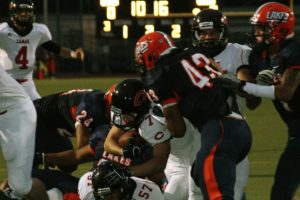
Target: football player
{"x": 210, "y": 33}
{"x": 17, "y": 134}
{"x": 60, "y": 183}
{"x": 75, "y": 113}
{"x": 182, "y": 80}
{"x": 108, "y": 181}
{"x": 131, "y": 110}
{"x": 20, "y": 37}
{"x": 275, "y": 60}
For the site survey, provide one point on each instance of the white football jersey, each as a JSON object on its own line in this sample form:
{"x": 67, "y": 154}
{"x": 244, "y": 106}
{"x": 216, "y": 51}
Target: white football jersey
{"x": 11, "y": 92}
{"x": 18, "y": 52}
{"x": 145, "y": 189}
{"x": 153, "y": 129}
{"x": 233, "y": 56}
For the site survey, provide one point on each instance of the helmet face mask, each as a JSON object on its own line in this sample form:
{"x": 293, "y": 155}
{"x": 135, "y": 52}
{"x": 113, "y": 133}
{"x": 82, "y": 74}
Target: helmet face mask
{"x": 22, "y": 13}
{"x": 129, "y": 104}
{"x": 124, "y": 121}
{"x": 106, "y": 181}
{"x": 209, "y": 38}
{"x": 272, "y": 23}
{"x": 210, "y": 31}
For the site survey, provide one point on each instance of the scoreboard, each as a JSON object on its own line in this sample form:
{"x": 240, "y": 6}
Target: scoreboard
{"x": 130, "y": 19}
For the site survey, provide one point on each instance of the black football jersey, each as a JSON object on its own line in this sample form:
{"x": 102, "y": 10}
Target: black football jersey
{"x": 187, "y": 76}
{"x": 288, "y": 57}
{"x": 62, "y": 110}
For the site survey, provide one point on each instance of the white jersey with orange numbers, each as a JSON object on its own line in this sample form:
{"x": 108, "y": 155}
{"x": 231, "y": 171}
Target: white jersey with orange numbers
{"x": 18, "y": 52}
{"x": 11, "y": 92}
{"x": 153, "y": 129}
{"x": 145, "y": 189}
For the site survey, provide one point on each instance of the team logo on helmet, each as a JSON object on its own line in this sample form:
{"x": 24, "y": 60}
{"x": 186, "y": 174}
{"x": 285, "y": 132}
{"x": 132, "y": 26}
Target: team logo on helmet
{"x": 277, "y": 16}
{"x": 139, "y": 98}
{"x": 142, "y": 48}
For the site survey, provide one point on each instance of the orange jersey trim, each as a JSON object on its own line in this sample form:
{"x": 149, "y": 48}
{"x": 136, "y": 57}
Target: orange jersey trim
{"x": 168, "y": 101}
{"x": 294, "y": 67}
{"x": 73, "y": 110}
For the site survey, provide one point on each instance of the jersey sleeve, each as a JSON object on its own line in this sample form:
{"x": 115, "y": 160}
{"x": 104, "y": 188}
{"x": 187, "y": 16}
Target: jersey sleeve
{"x": 46, "y": 35}
{"x": 153, "y": 130}
{"x": 84, "y": 115}
{"x": 85, "y": 189}
{"x": 245, "y": 52}
{"x": 157, "y": 82}
{"x": 289, "y": 55}
{"x": 91, "y": 111}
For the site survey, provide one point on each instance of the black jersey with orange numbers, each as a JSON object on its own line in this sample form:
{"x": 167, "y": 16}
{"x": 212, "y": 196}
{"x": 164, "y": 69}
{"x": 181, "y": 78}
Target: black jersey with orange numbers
{"x": 62, "y": 110}
{"x": 187, "y": 76}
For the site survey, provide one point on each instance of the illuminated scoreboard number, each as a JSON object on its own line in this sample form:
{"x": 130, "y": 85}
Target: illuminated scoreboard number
{"x": 127, "y": 19}
{"x": 139, "y": 8}
{"x": 126, "y": 29}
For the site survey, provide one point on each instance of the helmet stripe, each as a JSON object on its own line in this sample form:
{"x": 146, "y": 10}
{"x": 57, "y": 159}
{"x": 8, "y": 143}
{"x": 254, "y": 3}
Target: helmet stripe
{"x": 170, "y": 43}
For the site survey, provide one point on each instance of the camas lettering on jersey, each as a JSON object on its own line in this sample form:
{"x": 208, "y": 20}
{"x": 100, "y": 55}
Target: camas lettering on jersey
{"x": 22, "y": 41}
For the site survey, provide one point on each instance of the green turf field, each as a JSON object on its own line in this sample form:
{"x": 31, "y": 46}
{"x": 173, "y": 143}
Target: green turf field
{"x": 269, "y": 135}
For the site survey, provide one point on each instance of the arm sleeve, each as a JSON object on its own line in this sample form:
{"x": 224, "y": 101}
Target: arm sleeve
{"x": 52, "y": 47}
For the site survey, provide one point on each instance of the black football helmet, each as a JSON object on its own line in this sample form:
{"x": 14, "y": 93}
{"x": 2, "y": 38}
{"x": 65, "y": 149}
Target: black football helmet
{"x": 210, "y": 19}
{"x": 110, "y": 178}
{"x": 21, "y": 12}
{"x": 129, "y": 104}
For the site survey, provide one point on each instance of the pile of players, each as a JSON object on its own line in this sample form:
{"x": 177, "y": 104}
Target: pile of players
{"x": 188, "y": 135}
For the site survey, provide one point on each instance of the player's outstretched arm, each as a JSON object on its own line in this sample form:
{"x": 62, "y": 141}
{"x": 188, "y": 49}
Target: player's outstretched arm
{"x": 72, "y": 54}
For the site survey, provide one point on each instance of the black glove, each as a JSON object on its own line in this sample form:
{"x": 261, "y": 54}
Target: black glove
{"x": 132, "y": 150}
{"x": 265, "y": 77}
{"x": 231, "y": 82}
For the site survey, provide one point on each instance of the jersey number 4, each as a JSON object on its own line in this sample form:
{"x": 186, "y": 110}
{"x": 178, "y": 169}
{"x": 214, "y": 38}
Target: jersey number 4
{"x": 21, "y": 58}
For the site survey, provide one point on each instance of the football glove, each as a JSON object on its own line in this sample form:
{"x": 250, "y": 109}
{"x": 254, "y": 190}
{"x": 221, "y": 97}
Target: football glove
{"x": 231, "y": 82}
{"x": 132, "y": 150}
{"x": 265, "y": 77}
